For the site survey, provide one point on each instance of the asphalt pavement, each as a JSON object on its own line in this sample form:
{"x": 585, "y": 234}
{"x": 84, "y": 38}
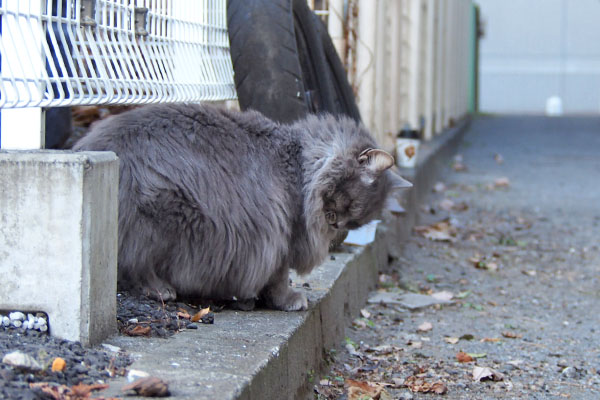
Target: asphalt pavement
{"x": 511, "y": 234}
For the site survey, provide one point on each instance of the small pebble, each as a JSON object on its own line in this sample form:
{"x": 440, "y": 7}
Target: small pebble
{"x": 405, "y": 396}
{"x": 208, "y": 318}
{"x": 21, "y": 360}
{"x": 110, "y": 347}
{"x": 80, "y": 369}
{"x": 191, "y": 326}
{"x": 5, "y": 321}
{"x": 16, "y": 316}
{"x": 16, "y": 323}
{"x": 133, "y": 321}
{"x": 136, "y": 374}
{"x": 569, "y": 372}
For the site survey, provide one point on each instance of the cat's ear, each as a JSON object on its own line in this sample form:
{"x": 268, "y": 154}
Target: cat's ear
{"x": 398, "y": 182}
{"x": 376, "y": 161}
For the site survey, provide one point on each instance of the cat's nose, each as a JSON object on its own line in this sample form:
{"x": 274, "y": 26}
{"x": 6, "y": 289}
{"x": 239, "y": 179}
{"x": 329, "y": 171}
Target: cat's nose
{"x": 335, "y": 225}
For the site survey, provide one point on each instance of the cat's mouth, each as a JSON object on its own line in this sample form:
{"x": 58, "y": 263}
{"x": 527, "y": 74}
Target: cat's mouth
{"x": 349, "y": 225}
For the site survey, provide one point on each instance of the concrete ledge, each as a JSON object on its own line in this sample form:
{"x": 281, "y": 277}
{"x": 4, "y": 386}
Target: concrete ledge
{"x": 58, "y": 239}
{"x": 277, "y": 355}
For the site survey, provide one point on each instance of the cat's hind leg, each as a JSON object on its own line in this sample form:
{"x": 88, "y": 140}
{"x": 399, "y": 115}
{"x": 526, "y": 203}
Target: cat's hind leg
{"x": 155, "y": 288}
{"x": 279, "y": 295}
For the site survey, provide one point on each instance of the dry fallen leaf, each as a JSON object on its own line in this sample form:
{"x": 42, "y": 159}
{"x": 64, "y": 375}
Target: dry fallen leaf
{"x": 63, "y": 392}
{"x": 183, "y": 314}
{"x": 511, "y": 335}
{"x": 149, "y": 387}
{"x": 52, "y": 390}
{"x": 84, "y": 391}
{"x": 485, "y": 373}
{"x": 418, "y": 384}
{"x": 85, "y": 115}
{"x": 446, "y": 205}
{"x": 359, "y": 323}
{"x": 483, "y": 263}
{"x": 502, "y": 182}
{"x": 198, "y": 316}
{"x": 451, "y": 340}
{"x": 463, "y": 357}
{"x": 462, "y": 206}
{"x": 492, "y": 340}
{"x": 440, "y": 231}
{"x": 58, "y": 364}
{"x": 425, "y": 327}
{"x": 138, "y": 330}
{"x": 358, "y": 390}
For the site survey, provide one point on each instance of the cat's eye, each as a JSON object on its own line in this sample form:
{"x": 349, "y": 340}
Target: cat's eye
{"x": 331, "y": 217}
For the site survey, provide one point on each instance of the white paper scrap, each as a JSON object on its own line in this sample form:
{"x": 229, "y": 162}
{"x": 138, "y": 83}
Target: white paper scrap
{"x": 363, "y": 235}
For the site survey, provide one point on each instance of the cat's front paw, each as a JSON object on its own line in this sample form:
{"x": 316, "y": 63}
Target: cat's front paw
{"x": 290, "y": 301}
{"x": 159, "y": 291}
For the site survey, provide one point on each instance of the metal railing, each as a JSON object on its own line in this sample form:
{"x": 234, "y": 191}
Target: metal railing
{"x": 81, "y": 52}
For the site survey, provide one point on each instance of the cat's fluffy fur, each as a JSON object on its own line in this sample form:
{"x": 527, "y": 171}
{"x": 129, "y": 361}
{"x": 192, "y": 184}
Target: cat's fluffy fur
{"x": 216, "y": 203}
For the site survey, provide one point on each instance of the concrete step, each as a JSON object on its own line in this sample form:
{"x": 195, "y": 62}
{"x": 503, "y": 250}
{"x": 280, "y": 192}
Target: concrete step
{"x": 265, "y": 354}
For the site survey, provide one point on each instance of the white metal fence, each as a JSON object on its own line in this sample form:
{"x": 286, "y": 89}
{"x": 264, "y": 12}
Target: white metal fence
{"x": 83, "y": 52}
{"x": 408, "y": 61}
{"x": 57, "y": 53}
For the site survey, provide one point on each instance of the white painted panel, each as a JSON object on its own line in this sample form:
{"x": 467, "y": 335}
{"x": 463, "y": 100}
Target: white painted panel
{"x": 535, "y": 49}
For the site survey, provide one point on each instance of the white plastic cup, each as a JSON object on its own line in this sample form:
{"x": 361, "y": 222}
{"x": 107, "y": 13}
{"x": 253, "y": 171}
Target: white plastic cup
{"x": 406, "y": 152}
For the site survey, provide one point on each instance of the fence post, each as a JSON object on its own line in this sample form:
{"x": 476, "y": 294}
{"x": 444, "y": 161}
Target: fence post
{"x": 22, "y": 128}
{"x": 414, "y": 79}
{"x": 365, "y": 59}
{"x": 335, "y": 25}
{"x": 429, "y": 70}
{"x": 440, "y": 72}
{"x": 395, "y": 66}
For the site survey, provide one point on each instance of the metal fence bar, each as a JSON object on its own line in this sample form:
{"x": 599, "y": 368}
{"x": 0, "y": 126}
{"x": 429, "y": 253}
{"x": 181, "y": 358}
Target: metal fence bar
{"x": 82, "y": 52}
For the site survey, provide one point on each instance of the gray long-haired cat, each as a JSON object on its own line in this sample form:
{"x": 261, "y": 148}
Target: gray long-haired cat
{"x": 215, "y": 203}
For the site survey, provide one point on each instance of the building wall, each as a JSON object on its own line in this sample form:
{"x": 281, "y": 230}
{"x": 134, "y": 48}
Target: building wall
{"x": 534, "y": 49}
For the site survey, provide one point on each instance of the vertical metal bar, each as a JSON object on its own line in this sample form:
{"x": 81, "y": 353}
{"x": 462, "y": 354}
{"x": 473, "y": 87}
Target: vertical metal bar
{"x": 415, "y": 65}
{"x": 429, "y": 70}
{"x": 365, "y": 59}
{"x": 335, "y": 25}
{"x": 439, "y": 91}
{"x": 23, "y": 128}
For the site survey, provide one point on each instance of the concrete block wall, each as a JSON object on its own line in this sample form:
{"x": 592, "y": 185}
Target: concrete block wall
{"x": 58, "y": 239}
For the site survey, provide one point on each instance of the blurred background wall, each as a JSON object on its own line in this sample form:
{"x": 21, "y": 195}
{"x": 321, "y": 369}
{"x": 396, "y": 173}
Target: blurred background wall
{"x": 534, "y": 49}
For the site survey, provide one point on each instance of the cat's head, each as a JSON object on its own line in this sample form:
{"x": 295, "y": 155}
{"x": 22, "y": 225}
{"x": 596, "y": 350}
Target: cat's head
{"x": 358, "y": 186}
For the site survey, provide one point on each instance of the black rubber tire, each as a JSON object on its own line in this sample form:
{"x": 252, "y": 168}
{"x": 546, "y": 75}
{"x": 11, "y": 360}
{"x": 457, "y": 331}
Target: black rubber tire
{"x": 344, "y": 100}
{"x": 316, "y": 78}
{"x": 265, "y": 60}
{"x": 284, "y": 62}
